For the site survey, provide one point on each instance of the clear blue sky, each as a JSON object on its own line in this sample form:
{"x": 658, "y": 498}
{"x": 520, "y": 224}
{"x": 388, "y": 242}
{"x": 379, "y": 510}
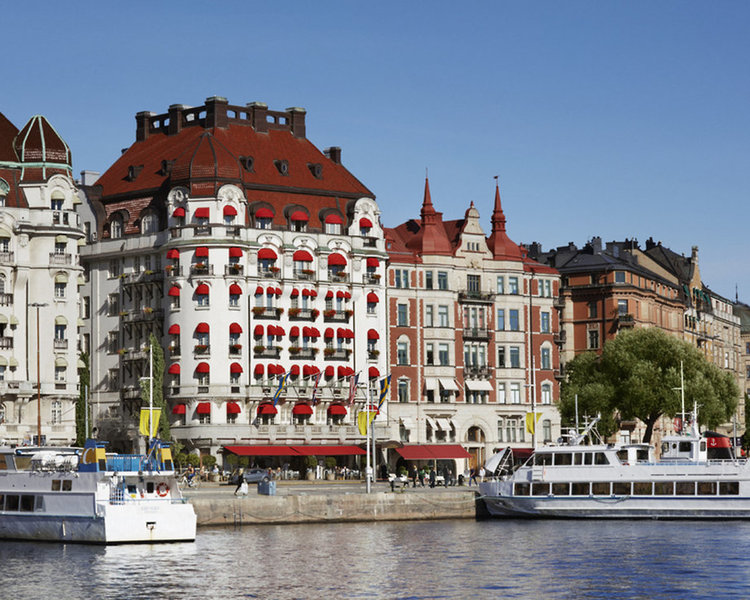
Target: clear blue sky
{"x": 621, "y": 119}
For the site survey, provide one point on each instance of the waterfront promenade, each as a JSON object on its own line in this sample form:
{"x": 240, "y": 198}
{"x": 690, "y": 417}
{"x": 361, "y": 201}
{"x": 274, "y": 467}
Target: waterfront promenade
{"x": 328, "y": 501}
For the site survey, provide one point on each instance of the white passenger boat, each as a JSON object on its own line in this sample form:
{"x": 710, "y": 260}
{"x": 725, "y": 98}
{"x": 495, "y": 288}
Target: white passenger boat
{"x": 88, "y": 495}
{"x": 575, "y": 480}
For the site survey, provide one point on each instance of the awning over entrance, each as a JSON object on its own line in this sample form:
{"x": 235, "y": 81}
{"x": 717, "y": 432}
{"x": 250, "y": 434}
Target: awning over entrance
{"x": 433, "y": 452}
{"x": 261, "y": 450}
{"x": 329, "y": 450}
{"x": 295, "y": 450}
{"x": 479, "y": 385}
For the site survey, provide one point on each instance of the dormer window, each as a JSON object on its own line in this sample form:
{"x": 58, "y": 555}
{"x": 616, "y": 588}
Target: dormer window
{"x": 230, "y": 214}
{"x": 298, "y": 220}
{"x": 263, "y": 218}
{"x": 115, "y": 227}
{"x": 4, "y": 189}
{"x": 57, "y": 199}
{"x": 149, "y": 223}
{"x": 365, "y": 227}
{"x": 333, "y": 223}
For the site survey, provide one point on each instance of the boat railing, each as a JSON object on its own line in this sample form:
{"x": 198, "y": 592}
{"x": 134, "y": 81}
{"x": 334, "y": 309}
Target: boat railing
{"x": 132, "y": 462}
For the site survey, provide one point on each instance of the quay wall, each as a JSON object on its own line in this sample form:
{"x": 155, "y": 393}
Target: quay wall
{"x": 322, "y": 508}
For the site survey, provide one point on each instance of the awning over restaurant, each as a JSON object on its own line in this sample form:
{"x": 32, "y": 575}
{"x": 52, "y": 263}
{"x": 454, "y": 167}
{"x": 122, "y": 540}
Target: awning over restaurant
{"x": 267, "y": 409}
{"x": 433, "y": 452}
{"x": 178, "y": 409}
{"x": 233, "y": 408}
{"x": 448, "y": 384}
{"x": 295, "y": 450}
{"x": 203, "y": 408}
{"x": 478, "y": 385}
{"x": 329, "y": 450}
{"x": 261, "y": 450}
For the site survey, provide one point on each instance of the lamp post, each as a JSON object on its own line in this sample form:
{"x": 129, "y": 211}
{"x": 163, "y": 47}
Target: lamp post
{"x": 38, "y": 305}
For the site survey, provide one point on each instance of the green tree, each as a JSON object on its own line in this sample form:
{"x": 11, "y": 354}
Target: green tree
{"x": 84, "y": 377}
{"x": 638, "y": 376}
{"x": 164, "y": 431}
{"x": 746, "y": 435}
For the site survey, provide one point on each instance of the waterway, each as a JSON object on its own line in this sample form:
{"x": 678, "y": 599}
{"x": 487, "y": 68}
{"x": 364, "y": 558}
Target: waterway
{"x": 406, "y": 560}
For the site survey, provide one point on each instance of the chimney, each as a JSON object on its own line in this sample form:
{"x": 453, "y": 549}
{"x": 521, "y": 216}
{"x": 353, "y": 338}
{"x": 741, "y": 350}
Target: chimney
{"x": 175, "y": 118}
{"x": 143, "y": 125}
{"x": 297, "y": 120}
{"x": 258, "y": 112}
{"x": 216, "y": 112}
{"x": 334, "y": 153}
{"x": 89, "y": 177}
{"x": 596, "y": 244}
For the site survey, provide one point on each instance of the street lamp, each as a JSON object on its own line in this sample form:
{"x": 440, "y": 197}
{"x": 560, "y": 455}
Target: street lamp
{"x": 38, "y": 305}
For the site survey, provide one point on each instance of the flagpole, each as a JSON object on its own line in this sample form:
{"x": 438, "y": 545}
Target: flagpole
{"x": 367, "y": 445}
{"x": 150, "y": 392}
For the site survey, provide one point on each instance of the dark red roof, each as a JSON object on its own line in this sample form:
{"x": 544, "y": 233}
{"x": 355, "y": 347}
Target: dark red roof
{"x": 8, "y": 133}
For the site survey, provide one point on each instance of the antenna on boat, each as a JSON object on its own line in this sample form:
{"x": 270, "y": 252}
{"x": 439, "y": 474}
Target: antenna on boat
{"x": 576, "y": 414}
{"x": 682, "y": 398}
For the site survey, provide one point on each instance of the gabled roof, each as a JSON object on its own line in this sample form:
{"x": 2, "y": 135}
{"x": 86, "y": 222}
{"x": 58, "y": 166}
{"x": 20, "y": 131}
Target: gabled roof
{"x": 8, "y": 133}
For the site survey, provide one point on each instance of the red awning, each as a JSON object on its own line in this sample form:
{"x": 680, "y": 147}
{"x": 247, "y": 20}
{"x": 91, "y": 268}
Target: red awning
{"x": 179, "y": 212}
{"x": 306, "y": 293}
{"x": 294, "y": 332}
{"x": 294, "y": 370}
{"x": 336, "y": 260}
{"x": 329, "y": 450}
{"x": 179, "y": 409}
{"x": 173, "y": 253}
{"x": 340, "y": 294}
{"x": 203, "y": 408}
{"x": 235, "y": 328}
{"x": 259, "y": 369}
{"x": 202, "y": 328}
{"x": 347, "y": 296}
{"x": 337, "y": 409}
{"x": 335, "y": 219}
{"x": 203, "y": 367}
{"x": 233, "y": 408}
{"x": 235, "y": 290}
{"x": 314, "y": 332}
{"x": 299, "y": 215}
{"x": 302, "y": 255}
{"x": 374, "y": 373}
{"x": 306, "y": 331}
{"x": 202, "y": 213}
{"x": 313, "y": 294}
{"x": 373, "y": 335}
{"x": 201, "y": 252}
{"x": 230, "y": 211}
{"x": 294, "y": 293}
{"x": 329, "y": 371}
{"x": 258, "y": 331}
{"x": 174, "y": 291}
{"x": 202, "y": 290}
{"x": 235, "y": 367}
{"x": 280, "y": 330}
{"x": 264, "y": 213}
{"x": 259, "y": 291}
{"x": 521, "y": 454}
{"x": 261, "y": 450}
{"x": 329, "y": 295}
{"x": 328, "y": 333}
{"x": 174, "y": 329}
{"x": 372, "y": 298}
{"x": 271, "y": 330}
{"x": 235, "y": 252}
{"x": 267, "y": 254}
{"x": 343, "y": 371}
{"x": 302, "y": 408}
{"x": 341, "y": 333}
{"x": 267, "y": 409}
{"x": 373, "y": 262}
{"x": 365, "y": 222}
{"x": 433, "y": 452}
{"x": 174, "y": 369}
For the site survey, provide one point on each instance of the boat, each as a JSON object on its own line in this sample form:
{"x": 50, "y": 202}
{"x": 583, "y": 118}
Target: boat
{"x": 695, "y": 477}
{"x": 88, "y": 495}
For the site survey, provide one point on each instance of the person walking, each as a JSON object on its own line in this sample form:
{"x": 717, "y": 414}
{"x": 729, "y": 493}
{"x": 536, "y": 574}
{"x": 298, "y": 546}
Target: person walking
{"x": 433, "y": 477}
{"x": 413, "y": 476}
{"x": 472, "y": 476}
{"x": 421, "y": 476}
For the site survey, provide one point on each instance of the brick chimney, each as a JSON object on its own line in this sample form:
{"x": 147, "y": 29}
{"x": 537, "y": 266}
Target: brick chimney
{"x": 175, "y": 118}
{"x": 143, "y": 125}
{"x": 216, "y": 112}
{"x": 334, "y": 153}
{"x": 258, "y": 112}
{"x": 297, "y": 121}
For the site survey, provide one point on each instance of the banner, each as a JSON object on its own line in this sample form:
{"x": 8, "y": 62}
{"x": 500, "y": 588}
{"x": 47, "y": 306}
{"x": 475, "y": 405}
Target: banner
{"x": 385, "y": 386}
{"x": 353, "y": 389}
{"x": 143, "y": 428}
{"x": 314, "y": 398}
{"x": 530, "y": 425}
{"x": 281, "y": 388}
{"x": 365, "y": 417}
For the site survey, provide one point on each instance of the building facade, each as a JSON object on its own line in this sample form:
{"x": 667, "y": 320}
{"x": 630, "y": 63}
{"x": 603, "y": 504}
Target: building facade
{"x": 40, "y": 272}
{"x": 467, "y": 360}
{"x": 252, "y": 256}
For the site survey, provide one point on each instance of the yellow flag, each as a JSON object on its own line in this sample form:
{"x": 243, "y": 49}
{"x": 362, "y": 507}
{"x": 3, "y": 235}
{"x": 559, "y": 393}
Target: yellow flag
{"x": 364, "y": 418}
{"x": 530, "y": 424}
{"x": 154, "y": 421}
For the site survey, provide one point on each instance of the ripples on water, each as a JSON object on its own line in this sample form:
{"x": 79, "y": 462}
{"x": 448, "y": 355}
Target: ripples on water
{"x": 411, "y": 560}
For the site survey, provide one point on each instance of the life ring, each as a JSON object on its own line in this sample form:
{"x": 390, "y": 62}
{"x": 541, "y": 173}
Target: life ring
{"x": 162, "y": 489}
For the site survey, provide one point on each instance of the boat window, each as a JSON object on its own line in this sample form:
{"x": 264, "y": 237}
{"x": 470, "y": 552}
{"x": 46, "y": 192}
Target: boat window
{"x": 67, "y": 485}
{"x": 23, "y": 463}
{"x": 703, "y": 445}
{"x": 27, "y": 503}
{"x": 622, "y": 456}
{"x": 542, "y": 459}
{"x": 600, "y": 458}
{"x": 686, "y": 446}
{"x": 663, "y": 488}
{"x": 11, "y": 502}
{"x": 561, "y": 489}
{"x": 685, "y": 488}
{"x": 706, "y": 488}
{"x": 540, "y": 489}
{"x": 580, "y": 489}
{"x": 587, "y": 458}
{"x": 521, "y": 489}
{"x": 641, "y": 488}
{"x": 729, "y": 488}
{"x": 55, "y": 485}
{"x": 39, "y": 503}
{"x": 642, "y": 455}
{"x": 621, "y": 488}
{"x": 2, "y": 501}
{"x": 563, "y": 459}
{"x": 3, "y": 463}
{"x": 577, "y": 458}
{"x": 600, "y": 488}
{"x": 150, "y": 487}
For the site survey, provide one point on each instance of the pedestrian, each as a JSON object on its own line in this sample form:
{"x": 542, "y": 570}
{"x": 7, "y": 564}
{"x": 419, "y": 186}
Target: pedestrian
{"x": 448, "y": 477}
{"x": 413, "y": 476}
{"x": 433, "y": 477}
{"x": 472, "y": 476}
{"x": 482, "y": 473}
{"x": 240, "y": 481}
{"x": 421, "y": 476}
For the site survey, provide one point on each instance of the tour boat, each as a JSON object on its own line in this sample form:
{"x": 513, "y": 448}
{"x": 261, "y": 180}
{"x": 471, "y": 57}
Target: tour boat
{"x": 89, "y": 495}
{"x": 695, "y": 477}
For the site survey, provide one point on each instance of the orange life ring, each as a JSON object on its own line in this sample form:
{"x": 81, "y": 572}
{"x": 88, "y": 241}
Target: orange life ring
{"x": 162, "y": 489}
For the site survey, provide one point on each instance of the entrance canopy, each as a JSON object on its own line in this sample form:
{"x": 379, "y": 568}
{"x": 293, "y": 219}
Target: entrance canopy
{"x": 433, "y": 452}
{"x": 295, "y": 450}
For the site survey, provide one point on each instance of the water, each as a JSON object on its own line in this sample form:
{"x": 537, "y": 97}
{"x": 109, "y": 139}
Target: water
{"x": 411, "y": 560}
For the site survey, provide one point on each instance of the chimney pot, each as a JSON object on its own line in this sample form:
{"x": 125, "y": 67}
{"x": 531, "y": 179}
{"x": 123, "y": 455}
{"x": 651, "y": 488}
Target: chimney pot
{"x": 143, "y": 125}
{"x": 216, "y": 112}
{"x": 334, "y": 154}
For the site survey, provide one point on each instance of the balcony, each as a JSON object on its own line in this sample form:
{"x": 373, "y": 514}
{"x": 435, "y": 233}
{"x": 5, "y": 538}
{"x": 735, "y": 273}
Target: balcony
{"x": 559, "y": 338}
{"x": 558, "y": 302}
{"x": 60, "y": 259}
{"x": 202, "y": 349}
{"x": 60, "y": 344}
{"x": 475, "y": 296}
{"x": 272, "y": 273}
{"x": 173, "y": 270}
{"x": 336, "y": 316}
{"x": 174, "y": 351}
{"x": 202, "y": 230}
{"x": 476, "y": 333}
{"x": 143, "y": 277}
{"x": 373, "y": 354}
{"x": 232, "y": 231}
{"x": 477, "y": 371}
{"x": 175, "y": 232}
{"x": 336, "y": 354}
{"x": 370, "y": 242}
{"x": 304, "y": 274}
{"x": 6, "y": 343}
{"x": 303, "y": 314}
{"x": 626, "y": 320}
{"x": 7, "y": 258}
{"x": 235, "y": 349}
{"x": 6, "y": 299}
{"x": 201, "y": 269}
{"x": 338, "y": 276}
{"x": 297, "y": 353}
{"x": 264, "y": 352}
{"x": 261, "y": 312}
{"x": 233, "y": 269}
{"x": 372, "y": 278}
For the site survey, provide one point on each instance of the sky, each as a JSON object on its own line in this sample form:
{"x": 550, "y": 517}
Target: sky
{"x": 617, "y": 119}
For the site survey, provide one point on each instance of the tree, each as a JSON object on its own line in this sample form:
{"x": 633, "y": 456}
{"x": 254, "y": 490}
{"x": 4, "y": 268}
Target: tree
{"x": 164, "y": 431}
{"x": 84, "y": 378}
{"x": 638, "y": 376}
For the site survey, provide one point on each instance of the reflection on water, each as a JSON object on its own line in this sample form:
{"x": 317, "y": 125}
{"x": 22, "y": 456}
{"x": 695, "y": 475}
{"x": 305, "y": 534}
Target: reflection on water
{"x": 436, "y": 559}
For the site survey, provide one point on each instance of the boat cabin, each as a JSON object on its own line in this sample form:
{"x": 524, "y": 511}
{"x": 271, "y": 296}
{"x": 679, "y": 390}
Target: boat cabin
{"x": 683, "y": 448}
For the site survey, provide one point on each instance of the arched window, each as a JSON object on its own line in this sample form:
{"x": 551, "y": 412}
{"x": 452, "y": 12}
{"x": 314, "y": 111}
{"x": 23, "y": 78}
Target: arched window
{"x": 56, "y": 412}
{"x": 4, "y": 189}
{"x": 402, "y": 351}
{"x": 56, "y": 200}
{"x": 546, "y": 393}
{"x": 115, "y": 227}
{"x": 475, "y": 434}
{"x": 149, "y": 223}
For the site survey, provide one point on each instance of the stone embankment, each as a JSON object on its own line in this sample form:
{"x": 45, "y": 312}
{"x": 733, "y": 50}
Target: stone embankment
{"x": 328, "y": 508}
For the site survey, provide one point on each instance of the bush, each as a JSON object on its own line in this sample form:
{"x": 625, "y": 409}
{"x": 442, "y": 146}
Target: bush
{"x": 330, "y": 463}
{"x": 208, "y": 461}
{"x": 193, "y": 459}
{"x": 312, "y": 462}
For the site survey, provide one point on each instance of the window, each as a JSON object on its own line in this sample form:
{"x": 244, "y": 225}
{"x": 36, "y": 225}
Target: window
{"x": 203, "y": 299}
{"x": 501, "y": 319}
{"x": 60, "y": 331}
{"x": 115, "y": 228}
{"x": 513, "y": 319}
{"x": 59, "y": 374}
{"x": 499, "y": 430}
{"x": 501, "y": 356}
{"x": 546, "y": 359}
{"x": 428, "y": 280}
{"x": 619, "y": 276}
{"x": 2, "y": 378}
{"x": 515, "y": 393}
{"x": 333, "y": 228}
{"x": 593, "y": 339}
{"x": 59, "y": 290}
{"x": 546, "y": 393}
{"x": 56, "y": 412}
{"x": 4, "y": 244}
{"x": 263, "y": 222}
{"x": 443, "y": 316}
{"x": 429, "y": 319}
{"x": 402, "y": 278}
{"x": 234, "y": 300}
{"x": 515, "y": 357}
{"x": 401, "y": 315}
{"x": 592, "y": 310}
{"x": 403, "y": 390}
{"x": 443, "y": 354}
{"x": 402, "y": 353}
{"x": 114, "y": 268}
{"x": 442, "y": 280}
{"x": 149, "y": 223}
{"x": 548, "y": 288}
{"x": 546, "y": 430}
{"x": 430, "y": 353}
{"x": 544, "y": 323}
{"x": 513, "y": 285}
{"x": 473, "y": 284}
{"x": 501, "y": 393}
{"x": 501, "y": 285}
{"x": 622, "y": 307}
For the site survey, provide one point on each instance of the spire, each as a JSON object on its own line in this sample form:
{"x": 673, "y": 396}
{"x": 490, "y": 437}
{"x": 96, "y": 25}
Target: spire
{"x": 498, "y": 216}
{"x": 500, "y": 244}
{"x": 427, "y": 207}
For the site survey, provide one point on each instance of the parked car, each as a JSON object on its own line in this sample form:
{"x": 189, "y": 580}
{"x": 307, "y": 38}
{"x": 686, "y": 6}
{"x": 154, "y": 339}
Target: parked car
{"x": 250, "y": 475}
